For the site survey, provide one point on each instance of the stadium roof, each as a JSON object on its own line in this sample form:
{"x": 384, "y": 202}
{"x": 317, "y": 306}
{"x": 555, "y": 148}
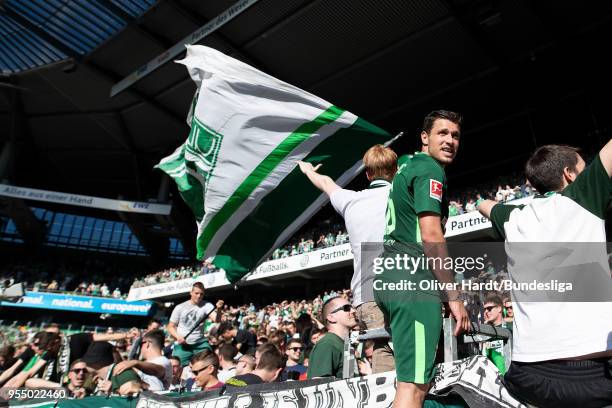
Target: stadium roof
{"x": 521, "y": 72}
{"x": 38, "y": 33}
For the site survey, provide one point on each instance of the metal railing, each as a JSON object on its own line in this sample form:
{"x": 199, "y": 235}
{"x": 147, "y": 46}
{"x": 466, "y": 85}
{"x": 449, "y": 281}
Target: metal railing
{"x": 480, "y": 333}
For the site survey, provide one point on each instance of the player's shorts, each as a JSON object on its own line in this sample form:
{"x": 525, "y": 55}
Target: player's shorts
{"x": 559, "y": 383}
{"x": 415, "y": 319}
{"x": 185, "y": 351}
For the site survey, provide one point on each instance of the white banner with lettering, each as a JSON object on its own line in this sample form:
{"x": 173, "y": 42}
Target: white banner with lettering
{"x": 326, "y": 256}
{"x": 84, "y": 201}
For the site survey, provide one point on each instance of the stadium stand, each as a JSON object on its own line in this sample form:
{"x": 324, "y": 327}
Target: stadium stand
{"x": 520, "y": 73}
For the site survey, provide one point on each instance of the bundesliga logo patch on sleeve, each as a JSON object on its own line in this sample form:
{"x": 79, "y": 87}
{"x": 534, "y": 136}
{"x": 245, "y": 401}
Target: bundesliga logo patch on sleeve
{"x": 435, "y": 189}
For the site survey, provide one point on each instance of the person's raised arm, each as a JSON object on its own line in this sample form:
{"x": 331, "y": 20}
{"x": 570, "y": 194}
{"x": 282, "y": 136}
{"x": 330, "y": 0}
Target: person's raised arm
{"x": 20, "y": 379}
{"x": 485, "y": 207}
{"x": 605, "y": 155}
{"x": 434, "y": 246}
{"x": 9, "y": 372}
{"x": 320, "y": 181}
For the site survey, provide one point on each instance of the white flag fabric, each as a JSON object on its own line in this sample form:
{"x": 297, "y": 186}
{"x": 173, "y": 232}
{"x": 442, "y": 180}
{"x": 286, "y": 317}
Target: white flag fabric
{"x": 238, "y": 171}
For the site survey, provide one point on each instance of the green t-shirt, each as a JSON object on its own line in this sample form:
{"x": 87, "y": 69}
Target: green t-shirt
{"x": 495, "y": 350}
{"x": 419, "y": 186}
{"x": 326, "y": 357}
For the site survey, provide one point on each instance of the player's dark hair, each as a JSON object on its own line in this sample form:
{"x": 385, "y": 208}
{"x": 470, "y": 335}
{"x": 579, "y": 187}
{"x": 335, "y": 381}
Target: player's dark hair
{"x": 431, "y": 117}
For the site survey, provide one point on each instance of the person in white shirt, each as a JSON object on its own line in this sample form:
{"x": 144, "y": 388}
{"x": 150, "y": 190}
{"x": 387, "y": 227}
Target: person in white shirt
{"x": 187, "y": 324}
{"x": 364, "y": 217}
{"x": 562, "y": 350}
{"x": 154, "y": 369}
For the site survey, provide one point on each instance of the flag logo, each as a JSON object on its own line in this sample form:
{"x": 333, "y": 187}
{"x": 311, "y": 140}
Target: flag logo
{"x": 435, "y": 189}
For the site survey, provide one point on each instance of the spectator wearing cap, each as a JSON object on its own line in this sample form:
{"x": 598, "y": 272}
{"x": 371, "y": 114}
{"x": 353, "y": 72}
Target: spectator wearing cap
{"x": 205, "y": 366}
{"x": 267, "y": 370}
{"x": 243, "y": 340}
{"x": 326, "y": 356}
{"x": 293, "y": 369}
{"x": 227, "y": 353}
{"x": 155, "y": 369}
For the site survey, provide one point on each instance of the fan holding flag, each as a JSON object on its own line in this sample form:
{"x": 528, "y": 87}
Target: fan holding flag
{"x": 238, "y": 165}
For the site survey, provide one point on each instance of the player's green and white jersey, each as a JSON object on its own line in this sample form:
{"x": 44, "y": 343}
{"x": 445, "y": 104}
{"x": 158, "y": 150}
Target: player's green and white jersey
{"x": 419, "y": 186}
{"x": 559, "y": 330}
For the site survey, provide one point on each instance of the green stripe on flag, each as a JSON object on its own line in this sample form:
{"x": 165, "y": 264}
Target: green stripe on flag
{"x": 240, "y": 251}
{"x": 262, "y": 171}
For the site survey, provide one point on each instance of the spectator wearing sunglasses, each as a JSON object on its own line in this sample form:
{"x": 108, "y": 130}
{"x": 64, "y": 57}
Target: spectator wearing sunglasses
{"x": 493, "y": 315}
{"x": 78, "y": 383}
{"x": 205, "y": 367}
{"x": 77, "y": 377}
{"x": 493, "y": 310}
{"x": 326, "y": 356}
{"x": 293, "y": 369}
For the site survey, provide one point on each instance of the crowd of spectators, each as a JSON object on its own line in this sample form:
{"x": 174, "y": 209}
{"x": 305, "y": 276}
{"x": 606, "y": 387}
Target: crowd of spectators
{"x": 175, "y": 273}
{"x": 89, "y": 277}
{"x": 249, "y": 345}
{"x": 503, "y": 190}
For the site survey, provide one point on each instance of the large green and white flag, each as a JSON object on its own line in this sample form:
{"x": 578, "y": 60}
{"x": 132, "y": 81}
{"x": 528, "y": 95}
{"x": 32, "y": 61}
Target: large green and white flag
{"x": 238, "y": 169}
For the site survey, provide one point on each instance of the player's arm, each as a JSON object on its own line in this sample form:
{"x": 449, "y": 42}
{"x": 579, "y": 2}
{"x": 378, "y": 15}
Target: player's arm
{"x": 434, "y": 246}
{"x": 485, "y": 207}
{"x": 320, "y": 181}
{"x": 605, "y": 155}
